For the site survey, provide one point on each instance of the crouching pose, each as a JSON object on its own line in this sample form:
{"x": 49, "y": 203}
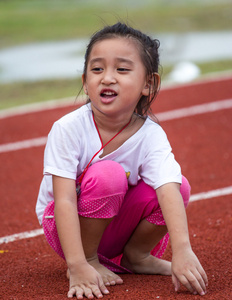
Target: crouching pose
{"x": 112, "y": 192}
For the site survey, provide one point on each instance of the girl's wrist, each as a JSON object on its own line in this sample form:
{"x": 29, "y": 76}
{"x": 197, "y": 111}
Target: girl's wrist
{"x": 74, "y": 265}
{"x": 179, "y": 246}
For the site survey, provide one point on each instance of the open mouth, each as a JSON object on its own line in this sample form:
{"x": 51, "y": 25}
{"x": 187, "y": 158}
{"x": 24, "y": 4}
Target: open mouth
{"x": 108, "y": 94}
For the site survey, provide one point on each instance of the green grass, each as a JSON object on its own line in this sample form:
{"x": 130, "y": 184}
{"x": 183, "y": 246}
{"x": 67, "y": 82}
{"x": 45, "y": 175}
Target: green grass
{"x": 205, "y": 68}
{"x": 15, "y": 94}
{"x": 26, "y": 21}
{"x": 216, "y": 66}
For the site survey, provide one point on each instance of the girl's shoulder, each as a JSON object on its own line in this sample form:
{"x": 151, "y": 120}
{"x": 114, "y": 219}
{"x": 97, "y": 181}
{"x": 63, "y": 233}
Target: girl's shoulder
{"x": 152, "y": 128}
{"x": 78, "y": 115}
{"x": 150, "y": 136}
{"x": 154, "y": 136}
{"x": 75, "y": 123}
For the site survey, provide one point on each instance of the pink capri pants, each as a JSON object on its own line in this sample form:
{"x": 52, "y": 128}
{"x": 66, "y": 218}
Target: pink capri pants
{"x": 105, "y": 194}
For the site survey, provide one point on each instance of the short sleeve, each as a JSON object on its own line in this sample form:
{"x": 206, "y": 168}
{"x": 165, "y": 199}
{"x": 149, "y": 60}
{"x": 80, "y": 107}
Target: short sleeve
{"x": 159, "y": 166}
{"x": 61, "y": 152}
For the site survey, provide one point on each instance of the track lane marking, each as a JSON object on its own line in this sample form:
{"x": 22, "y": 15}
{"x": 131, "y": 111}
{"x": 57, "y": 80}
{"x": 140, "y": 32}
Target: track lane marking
{"x": 163, "y": 116}
{"x": 21, "y": 236}
{"x": 195, "y": 110}
{"x": 211, "y": 194}
{"x": 196, "y": 197}
{"x": 64, "y": 102}
{"x": 41, "y": 106}
{"x": 36, "y": 142}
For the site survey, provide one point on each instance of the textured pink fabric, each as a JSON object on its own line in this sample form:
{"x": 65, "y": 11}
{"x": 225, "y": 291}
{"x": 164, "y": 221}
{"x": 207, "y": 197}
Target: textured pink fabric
{"x": 139, "y": 203}
{"x": 103, "y": 189}
{"x": 50, "y": 231}
{"x": 104, "y": 194}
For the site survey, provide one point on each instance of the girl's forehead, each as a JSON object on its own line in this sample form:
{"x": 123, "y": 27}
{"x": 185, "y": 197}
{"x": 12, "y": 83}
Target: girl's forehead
{"x": 118, "y": 45}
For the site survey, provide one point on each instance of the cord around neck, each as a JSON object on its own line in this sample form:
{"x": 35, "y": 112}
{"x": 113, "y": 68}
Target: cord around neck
{"x": 102, "y": 147}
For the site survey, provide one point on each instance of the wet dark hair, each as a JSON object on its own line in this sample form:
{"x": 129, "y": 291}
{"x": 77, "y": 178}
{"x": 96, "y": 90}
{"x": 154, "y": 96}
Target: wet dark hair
{"x": 148, "y": 49}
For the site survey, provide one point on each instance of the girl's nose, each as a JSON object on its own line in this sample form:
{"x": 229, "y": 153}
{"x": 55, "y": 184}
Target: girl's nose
{"x": 108, "y": 77}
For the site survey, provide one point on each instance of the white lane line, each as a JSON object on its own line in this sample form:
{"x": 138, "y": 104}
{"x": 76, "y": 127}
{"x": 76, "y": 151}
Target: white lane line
{"x": 212, "y": 194}
{"x": 56, "y": 103}
{"x": 33, "y": 233}
{"x": 195, "y": 110}
{"x": 41, "y": 141}
{"x": 164, "y": 116}
{"x": 21, "y": 236}
{"x": 41, "y": 106}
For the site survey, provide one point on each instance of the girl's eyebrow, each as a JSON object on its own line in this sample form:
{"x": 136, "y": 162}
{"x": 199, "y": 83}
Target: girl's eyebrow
{"x": 118, "y": 59}
{"x": 94, "y": 60}
{"x": 125, "y": 60}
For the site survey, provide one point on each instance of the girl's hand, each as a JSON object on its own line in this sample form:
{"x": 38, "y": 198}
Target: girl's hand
{"x": 186, "y": 269}
{"x": 86, "y": 281}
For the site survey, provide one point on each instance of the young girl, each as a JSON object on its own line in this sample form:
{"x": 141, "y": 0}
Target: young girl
{"x": 111, "y": 188}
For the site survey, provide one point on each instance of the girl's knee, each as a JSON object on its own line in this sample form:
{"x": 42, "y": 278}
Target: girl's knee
{"x": 105, "y": 178}
{"x": 156, "y": 216}
{"x": 185, "y": 190}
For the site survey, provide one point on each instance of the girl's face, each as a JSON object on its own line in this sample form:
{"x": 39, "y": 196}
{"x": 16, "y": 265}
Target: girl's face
{"x": 116, "y": 77}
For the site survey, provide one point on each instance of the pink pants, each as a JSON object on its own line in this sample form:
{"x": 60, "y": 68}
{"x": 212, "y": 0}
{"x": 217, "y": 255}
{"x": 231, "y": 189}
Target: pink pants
{"x": 105, "y": 194}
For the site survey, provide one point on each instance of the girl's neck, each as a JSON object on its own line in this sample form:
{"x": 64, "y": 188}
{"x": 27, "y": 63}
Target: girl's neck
{"x": 111, "y": 124}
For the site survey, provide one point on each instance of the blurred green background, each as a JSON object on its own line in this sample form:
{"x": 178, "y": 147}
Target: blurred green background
{"x": 32, "y": 21}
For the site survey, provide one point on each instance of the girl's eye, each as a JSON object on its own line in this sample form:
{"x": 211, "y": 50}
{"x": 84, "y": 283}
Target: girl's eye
{"x": 96, "y": 69}
{"x": 123, "y": 70}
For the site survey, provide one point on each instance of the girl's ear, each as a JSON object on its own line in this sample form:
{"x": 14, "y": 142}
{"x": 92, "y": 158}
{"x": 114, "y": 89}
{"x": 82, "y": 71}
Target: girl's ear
{"x": 152, "y": 85}
{"x": 84, "y": 84}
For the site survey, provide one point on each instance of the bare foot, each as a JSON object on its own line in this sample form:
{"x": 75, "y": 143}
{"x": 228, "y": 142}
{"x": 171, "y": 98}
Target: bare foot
{"x": 145, "y": 264}
{"x": 108, "y": 277}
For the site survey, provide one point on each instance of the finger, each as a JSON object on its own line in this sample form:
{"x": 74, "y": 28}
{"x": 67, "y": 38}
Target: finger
{"x": 119, "y": 280}
{"x": 88, "y": 292}
{"x": 109, "y": 280}
{"x": 71, "y": 293}
{"x": 97, "y": 292}
{"x": 197, "y": 283}
{"x": 102, "y": 286}
{"x": 204, "y": 276}
{"x": 175, "y": 282}
{"x": 106, "y": 281}
{"x": 202, "y": 281}
{"x": 78, "y": 292}
{"x": 186, "y": 282}
{"x": 115, "y": 280}
{"x": 112, "y": 281}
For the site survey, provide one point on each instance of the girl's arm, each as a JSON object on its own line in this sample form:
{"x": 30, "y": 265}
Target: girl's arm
{"x": 84, "y": 279}
{"x": 185, "y": 266}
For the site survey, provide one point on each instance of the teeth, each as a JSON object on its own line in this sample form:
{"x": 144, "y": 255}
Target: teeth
{"x": 109, "y": 93}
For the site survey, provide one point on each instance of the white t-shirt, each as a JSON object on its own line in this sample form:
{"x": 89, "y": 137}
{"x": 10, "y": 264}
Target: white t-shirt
{"x": 73, "y": 141}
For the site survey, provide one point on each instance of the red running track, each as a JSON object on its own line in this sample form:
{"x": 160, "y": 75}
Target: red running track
{"x": 201, "y": 143}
